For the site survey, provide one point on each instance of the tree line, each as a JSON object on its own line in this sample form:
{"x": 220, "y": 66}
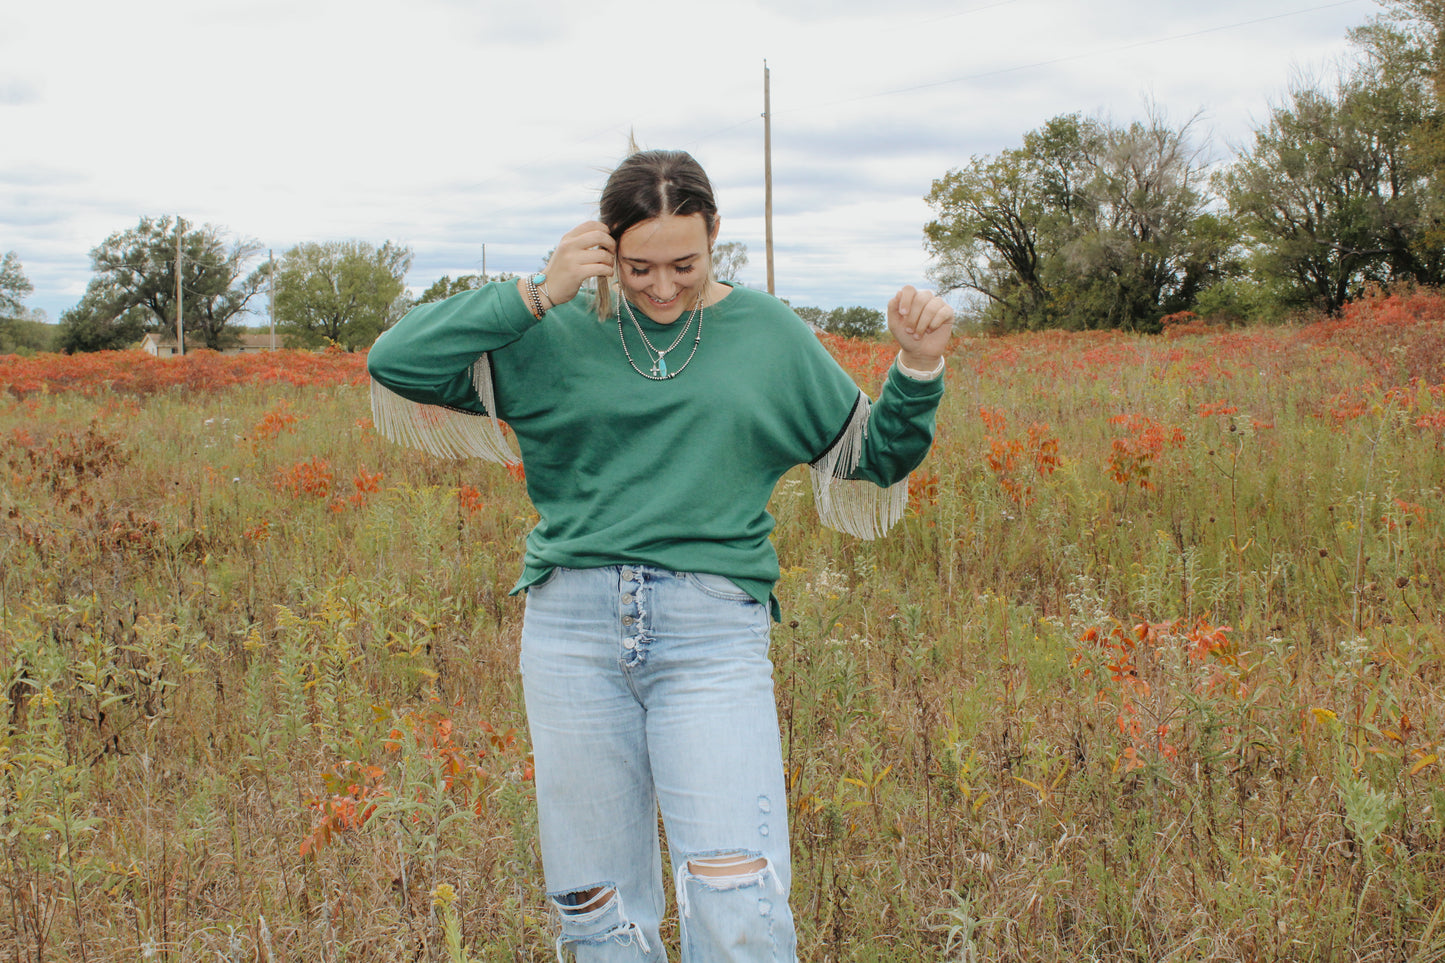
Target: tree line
{"x": 333, "y": 293}
{"x": 1093, "y": 224}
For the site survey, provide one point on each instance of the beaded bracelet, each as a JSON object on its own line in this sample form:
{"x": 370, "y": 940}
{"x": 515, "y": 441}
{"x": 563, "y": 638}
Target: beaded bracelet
{"x": 537, "y": 308}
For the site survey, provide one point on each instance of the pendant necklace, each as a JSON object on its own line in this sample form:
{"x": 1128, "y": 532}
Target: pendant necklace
{"x": 658, "y": 356}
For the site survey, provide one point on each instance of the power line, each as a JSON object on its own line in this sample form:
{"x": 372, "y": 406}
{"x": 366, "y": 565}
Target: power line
{"x": 1078, "y": 56}
{"x": 964, "y": 13}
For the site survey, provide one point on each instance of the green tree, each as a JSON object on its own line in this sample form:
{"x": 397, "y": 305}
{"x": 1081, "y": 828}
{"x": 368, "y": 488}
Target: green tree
{"x": 728, "y": 258}
{"x": 1342, "y": 186}
{"x": 854, "y": 322}
{"x": 93, "y": 325}
{"x": 1145, "y": 249}
{"x": 812, "y": 315}
{"x": 1329, "y": 198}
{"x": 137, "y": 269}
{"x": 1004, "y": 221}
{"x": 444, "y": 286}
{"x": 14, "y": 286}
{"x": 339, "y": 292}
{"x": 1086, "y": 225}
{"x": 1409, "y": 41}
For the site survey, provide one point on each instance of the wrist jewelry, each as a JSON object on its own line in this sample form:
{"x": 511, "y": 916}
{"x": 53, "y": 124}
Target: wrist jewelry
{"x": 533, "y": 296}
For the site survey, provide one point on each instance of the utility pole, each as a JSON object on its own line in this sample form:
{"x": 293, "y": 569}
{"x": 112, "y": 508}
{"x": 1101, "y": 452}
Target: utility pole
{"x": 180, "y": 331}
{"x": 271, "y": 260}
{"x": 768, "y": 175}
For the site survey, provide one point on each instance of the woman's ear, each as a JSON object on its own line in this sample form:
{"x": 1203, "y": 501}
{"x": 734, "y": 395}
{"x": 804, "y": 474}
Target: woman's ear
{"x": 712, "y": 238}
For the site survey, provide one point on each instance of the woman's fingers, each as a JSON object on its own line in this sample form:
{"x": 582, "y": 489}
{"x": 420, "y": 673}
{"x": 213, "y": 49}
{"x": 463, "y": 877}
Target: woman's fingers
{"x": 586, "y": 251}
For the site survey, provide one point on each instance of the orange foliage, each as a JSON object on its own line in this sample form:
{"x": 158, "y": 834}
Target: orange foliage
{"x": 199, "y": 372}
{"x": 276, "y": 421}
{"x": 866, "y": 361}
{"x": 1018, "y": 461}
{"x": 1132, "y": 457}
{"x": 312, "y": 478}
{"x": 354, "y": 788}
{"x": 469, "y": 499}
{"x": 1401, "y": 335}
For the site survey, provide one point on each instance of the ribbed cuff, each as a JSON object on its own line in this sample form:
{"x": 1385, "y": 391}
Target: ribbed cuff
{"x": 908, "y": 372}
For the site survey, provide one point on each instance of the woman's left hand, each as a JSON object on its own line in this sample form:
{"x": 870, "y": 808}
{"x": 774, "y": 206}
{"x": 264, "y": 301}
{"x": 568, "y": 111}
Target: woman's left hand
{"x": 921, "y": 322}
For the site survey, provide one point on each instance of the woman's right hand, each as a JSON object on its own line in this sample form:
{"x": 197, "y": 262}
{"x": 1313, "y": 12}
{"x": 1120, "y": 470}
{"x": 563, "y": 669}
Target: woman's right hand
{"x": 586, "y": 251}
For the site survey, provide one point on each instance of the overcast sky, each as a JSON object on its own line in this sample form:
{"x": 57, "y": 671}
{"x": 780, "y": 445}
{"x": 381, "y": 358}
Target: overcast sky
{"x": 449, "y": 124}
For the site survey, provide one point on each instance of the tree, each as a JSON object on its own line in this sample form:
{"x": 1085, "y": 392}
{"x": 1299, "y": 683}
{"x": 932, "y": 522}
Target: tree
{"x": 1145, "y": 249}
{"x": 92, "y": 325}
{"x": 339, "y": 292}
{"x": 1086, "y": 225}
{"x": 812, "y": 315}
{"x": 137, "y": 269}
{"x": 1342, "y": 186}
{"x": 444, "y": 287}
{"x": 1329, "y": 197}
{"x": 1414, "y": 32}
{"x": 854, "y": 322}
{"x": 728, "y": 259}
{"x": 14, "y": 286}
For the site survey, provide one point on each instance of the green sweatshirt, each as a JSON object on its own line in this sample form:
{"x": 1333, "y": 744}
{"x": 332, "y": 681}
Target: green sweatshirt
{"x": 673, "y": 473}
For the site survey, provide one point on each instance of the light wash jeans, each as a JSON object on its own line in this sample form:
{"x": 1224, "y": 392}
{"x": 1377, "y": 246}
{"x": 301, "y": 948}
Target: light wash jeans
{"x": 647, "y": 688}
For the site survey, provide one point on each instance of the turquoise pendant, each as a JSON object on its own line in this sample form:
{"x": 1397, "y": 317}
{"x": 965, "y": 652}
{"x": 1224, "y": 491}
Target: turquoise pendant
{"x": 662, "y": 366}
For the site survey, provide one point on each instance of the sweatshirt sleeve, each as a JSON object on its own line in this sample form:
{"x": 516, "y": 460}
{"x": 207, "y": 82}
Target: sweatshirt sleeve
{"x": 900, "y": 429}
{"x": 431, "y": 373}
{"x": 860, "y": 462}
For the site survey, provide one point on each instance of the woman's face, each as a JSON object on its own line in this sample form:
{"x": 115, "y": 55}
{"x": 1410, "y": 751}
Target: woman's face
{"x": 662, "y": 264}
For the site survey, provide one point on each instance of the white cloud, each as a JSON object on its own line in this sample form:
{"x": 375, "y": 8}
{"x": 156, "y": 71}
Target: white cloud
{"x": 448, "y": 124}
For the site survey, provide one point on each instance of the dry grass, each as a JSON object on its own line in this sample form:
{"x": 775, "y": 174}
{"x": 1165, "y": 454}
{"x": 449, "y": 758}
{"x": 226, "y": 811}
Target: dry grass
{"x": 1152, "y": 671}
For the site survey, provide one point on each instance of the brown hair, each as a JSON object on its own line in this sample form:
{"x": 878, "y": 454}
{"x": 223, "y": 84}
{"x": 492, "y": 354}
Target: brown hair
{"x": 648, "y": 184}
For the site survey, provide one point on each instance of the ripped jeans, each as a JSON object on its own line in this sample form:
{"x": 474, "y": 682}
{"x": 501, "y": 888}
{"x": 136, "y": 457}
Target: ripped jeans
{"x": 648, "y": 689}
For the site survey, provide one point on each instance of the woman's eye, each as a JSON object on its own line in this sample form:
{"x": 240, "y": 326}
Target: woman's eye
{"x": 639, "y": 273}
{"x": 685, "y": 268}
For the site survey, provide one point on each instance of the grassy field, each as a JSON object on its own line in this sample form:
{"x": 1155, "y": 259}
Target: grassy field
{"x": 1151, "y": 671}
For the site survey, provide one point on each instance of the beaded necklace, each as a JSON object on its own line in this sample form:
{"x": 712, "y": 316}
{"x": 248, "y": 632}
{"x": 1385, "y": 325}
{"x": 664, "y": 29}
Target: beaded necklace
{"x": 656, "y": 355}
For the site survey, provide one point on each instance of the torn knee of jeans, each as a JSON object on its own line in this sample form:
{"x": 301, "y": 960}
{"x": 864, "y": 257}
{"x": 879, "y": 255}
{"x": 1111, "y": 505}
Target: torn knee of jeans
{"x": 594, "y": 914}
{"x": 726, "y": 865}
{"x": 582, "y": 902}
{"x": 724, "y": 871}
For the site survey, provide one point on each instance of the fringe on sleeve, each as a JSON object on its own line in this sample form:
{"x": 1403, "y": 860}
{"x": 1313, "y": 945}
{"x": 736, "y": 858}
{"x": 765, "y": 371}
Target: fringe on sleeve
{"x": 444, "y": 432}
{"x": 854, "y": 506}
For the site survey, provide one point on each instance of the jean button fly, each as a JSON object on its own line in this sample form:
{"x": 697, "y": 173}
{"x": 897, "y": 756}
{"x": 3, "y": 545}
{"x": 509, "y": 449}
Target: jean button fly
{"x": 628, "y": 620}
{"x": 627, "y": 599}
{"x": 627, "y": 574}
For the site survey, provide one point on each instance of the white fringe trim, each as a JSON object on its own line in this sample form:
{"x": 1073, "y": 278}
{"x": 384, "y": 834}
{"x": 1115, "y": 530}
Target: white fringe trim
{"x": 444, "y": 432}
{"x": 854, "y": 506}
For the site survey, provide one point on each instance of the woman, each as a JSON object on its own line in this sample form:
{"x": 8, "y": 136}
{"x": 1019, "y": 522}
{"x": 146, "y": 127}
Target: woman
{"x": 652, "y": 441}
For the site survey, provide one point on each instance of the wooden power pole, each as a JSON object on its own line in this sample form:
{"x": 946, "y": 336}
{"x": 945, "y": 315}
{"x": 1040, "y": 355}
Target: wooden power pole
{"x": 180, "y": 331}
{"x": 271, "y": 262}
{"x": 768, "y": 176}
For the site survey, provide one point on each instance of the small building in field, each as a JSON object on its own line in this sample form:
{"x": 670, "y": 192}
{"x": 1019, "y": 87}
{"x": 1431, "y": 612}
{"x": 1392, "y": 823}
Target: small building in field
{"x": 164, "y": 345}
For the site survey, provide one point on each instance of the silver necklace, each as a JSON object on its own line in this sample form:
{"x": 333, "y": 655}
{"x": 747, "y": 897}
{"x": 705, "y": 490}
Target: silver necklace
{"x": 657, "y": 356}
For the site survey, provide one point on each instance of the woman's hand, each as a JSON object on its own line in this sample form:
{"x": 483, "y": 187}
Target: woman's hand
{"x": 921, "y": 322}
{"x": 586, "y": 251}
